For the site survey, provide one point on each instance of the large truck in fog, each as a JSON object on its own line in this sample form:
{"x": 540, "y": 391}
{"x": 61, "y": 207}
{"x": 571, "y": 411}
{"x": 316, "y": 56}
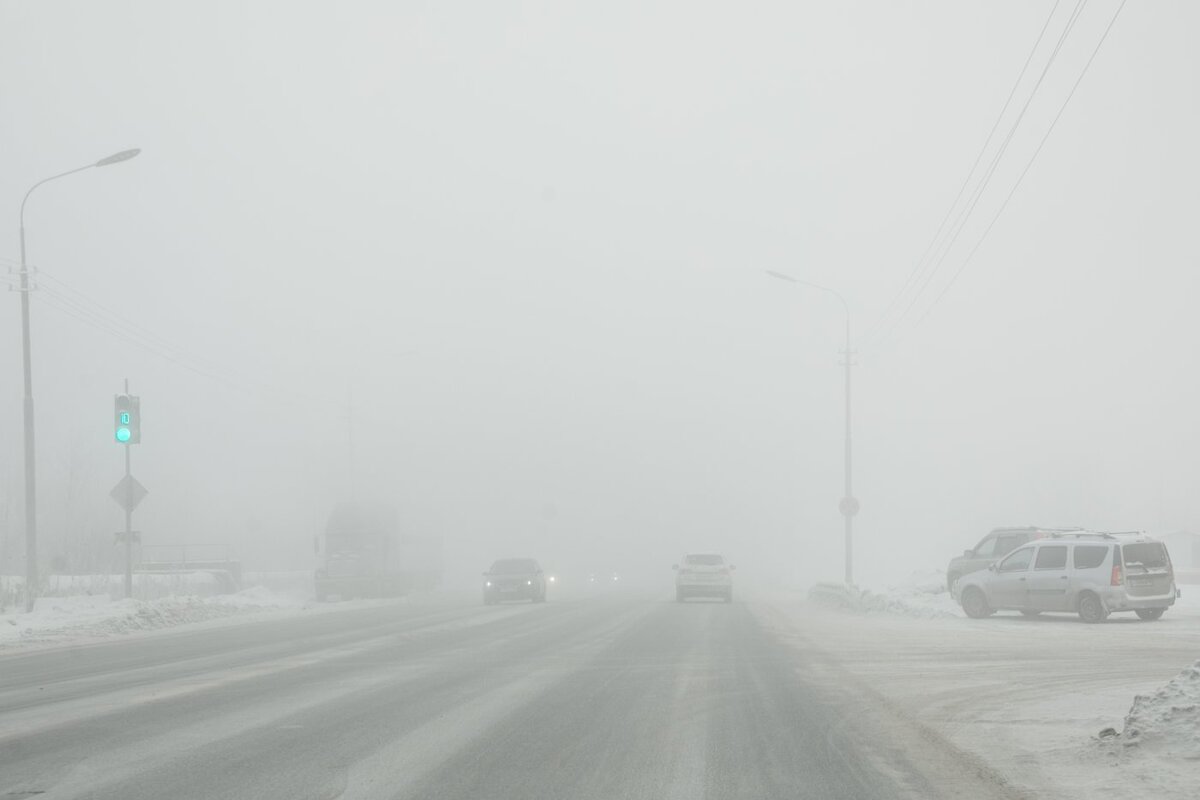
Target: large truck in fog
{"x": 365, "y": 553}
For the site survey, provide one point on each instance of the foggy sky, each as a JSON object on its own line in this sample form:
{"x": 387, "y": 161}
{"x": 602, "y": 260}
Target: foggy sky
{"x": 525, "y": 243}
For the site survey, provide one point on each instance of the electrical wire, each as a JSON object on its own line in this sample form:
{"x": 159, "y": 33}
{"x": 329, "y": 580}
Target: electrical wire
{"x": 977, "y": 194}
{"x": 919, "y": 265}
{"x": 64, "y": 304}
{"x": 122, "y": 322}
{"x": 1028, "y": 165}
{"x": 92, "y": 314}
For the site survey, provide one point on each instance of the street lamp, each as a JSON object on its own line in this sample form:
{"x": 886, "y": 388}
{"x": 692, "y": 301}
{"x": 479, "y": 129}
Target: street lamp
{"x": 27, "y": 365}
{"x": 849, "y": 503}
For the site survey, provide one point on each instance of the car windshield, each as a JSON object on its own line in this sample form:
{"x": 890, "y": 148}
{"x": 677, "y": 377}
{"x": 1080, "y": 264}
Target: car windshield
{"x": 514, "y": 566}
{"x": 1017, "y": 561}
{"x": 1147, "y": 555}
{"x": 704, "y": 560}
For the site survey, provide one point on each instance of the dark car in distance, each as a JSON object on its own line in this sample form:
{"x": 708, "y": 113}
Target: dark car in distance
{"x": 514, "y": 579}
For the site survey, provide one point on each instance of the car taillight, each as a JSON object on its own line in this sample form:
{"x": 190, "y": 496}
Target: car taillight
{"x": 1117, "y": 578}
{"x": 724, "y": 570}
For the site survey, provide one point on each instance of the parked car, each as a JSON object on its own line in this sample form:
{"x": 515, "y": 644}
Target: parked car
{"x": 993, "y": 547}
{"x": 703, "y": 575}
{"x": 1091, "y": 574}
{"x": 514, "y": 579}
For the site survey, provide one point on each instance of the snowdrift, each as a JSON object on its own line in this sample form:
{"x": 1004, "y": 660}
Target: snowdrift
{"x": 922, "y": 594}
{"x": 58, "y": 619}
{"x": 1167, "y": 721}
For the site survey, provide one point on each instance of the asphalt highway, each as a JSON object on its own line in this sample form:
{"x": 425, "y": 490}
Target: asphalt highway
{"x": 601, "y": 697}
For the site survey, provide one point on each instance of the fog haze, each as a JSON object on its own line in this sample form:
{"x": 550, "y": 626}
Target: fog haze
{"x": 503, "y": 265}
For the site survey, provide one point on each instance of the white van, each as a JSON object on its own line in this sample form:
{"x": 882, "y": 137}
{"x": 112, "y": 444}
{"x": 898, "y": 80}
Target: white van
{"x": 1092, "y": 574}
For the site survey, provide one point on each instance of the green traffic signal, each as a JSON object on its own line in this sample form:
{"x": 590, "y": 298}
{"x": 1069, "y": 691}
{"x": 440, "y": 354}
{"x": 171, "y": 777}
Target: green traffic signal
{"x": 127, "y": 419}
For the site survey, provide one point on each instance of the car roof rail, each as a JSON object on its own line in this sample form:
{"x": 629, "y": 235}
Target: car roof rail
{"x": 1081, "y": 532}
{"x": 1031, "y": 528}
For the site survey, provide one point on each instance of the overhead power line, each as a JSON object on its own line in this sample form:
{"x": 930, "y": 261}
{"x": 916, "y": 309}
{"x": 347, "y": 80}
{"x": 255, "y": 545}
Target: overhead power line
{"x": 1028, "y": 165}
{"x": 995, "y": 163}
{"x": 965, "y": 214}
{"x": 919, "y": 264}
{"x": 65, "y": 304}
{"x": 130, "y": 328}
{"x": 78, "y": 306}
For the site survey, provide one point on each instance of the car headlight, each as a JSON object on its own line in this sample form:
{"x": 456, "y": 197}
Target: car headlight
{"x": 529, "y": 583}
{"x": 487, "y": 583}
{"x": 553, "y": 579}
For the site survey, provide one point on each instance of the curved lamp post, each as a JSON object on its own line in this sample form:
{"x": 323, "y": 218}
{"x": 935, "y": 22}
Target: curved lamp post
{"x": 849, "y": 503}
{"x": 26, "y": 362}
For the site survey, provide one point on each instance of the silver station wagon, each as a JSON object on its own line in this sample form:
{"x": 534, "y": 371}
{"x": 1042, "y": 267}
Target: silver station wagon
{"x": 1092, "y": 574}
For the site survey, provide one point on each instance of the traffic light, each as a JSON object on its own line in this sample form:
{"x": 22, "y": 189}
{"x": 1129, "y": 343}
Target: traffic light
{"x": 127, "y": 419}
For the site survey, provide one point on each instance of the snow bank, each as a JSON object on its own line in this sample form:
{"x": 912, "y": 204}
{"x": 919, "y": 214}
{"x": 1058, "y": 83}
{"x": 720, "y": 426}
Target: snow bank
{"x": 1166, "y": 721}
{"x": 58, "y": 619}
{"x": 922, "y": 594}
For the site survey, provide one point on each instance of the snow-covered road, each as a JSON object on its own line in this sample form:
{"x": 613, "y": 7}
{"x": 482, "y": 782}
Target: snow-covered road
{"x": 599, "y": 697}
{"x": 900, "y": 697}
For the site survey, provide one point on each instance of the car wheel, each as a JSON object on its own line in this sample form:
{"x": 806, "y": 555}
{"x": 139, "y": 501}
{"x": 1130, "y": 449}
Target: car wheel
{"x": 679, "y": 598}
{"x": 1029, "y": 612}
{"x": 975, "y": 604}
{"x": 1091, "y": 609}
{"x": 1150, "y": 614}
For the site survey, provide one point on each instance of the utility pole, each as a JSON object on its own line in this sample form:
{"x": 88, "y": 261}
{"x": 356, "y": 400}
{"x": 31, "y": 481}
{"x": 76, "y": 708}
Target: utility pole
{"x": 31, "y": 570}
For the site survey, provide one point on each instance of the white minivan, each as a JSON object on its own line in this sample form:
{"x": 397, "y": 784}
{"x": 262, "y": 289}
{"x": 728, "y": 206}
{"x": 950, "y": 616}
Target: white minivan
{"x": 1091, "y": 574}
{"x": 703, "y": 575}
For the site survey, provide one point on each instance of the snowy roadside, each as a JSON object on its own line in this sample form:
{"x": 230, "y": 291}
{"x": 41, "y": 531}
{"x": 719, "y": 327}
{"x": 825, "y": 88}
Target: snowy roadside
{"x": 921, "y": 594}
{"x": 87, "y": 618}
{"x": 1029, "y": 697}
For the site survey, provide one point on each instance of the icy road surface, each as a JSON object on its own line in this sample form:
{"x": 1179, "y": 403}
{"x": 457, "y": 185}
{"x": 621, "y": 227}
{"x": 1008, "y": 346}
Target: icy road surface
{"x": 604, "y": 697}
{"x": 597, "y": 698}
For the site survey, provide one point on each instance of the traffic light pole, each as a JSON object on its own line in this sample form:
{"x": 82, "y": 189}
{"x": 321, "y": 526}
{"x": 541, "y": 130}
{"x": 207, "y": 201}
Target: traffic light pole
{"x": 128, "y": 515}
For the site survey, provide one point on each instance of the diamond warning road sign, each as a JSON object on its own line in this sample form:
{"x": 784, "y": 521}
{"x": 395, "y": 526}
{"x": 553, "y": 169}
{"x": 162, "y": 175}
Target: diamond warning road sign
{"x": 128, "y": 493}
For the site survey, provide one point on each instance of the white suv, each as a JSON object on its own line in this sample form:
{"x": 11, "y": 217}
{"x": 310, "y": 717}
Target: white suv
{"x": 703, "y": 575}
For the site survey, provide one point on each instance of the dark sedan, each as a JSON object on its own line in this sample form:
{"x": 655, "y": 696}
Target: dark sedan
{"x": 514, "y": 579}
